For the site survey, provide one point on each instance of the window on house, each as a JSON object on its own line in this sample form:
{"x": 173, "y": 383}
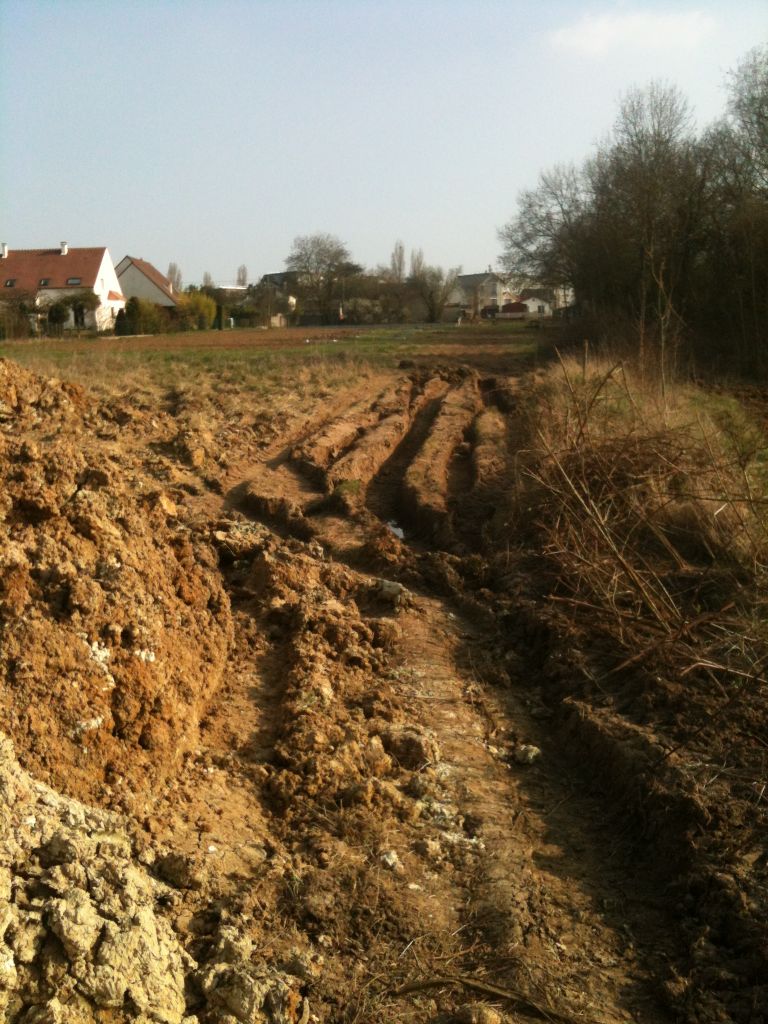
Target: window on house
{"x": 10, "y": 282}
{"x": 73, "y": 280}
{"x": 44, "y": 281}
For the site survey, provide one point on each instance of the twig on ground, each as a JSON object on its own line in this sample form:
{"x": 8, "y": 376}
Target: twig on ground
{"x": 523, "y": 1003}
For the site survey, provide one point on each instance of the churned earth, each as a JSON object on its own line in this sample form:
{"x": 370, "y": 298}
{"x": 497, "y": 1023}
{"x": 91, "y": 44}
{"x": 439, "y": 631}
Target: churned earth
{"x": 291, "y": 735}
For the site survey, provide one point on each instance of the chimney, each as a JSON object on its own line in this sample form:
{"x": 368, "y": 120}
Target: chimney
{"x": 5, "y": 250}
{"x": 64, "y": 248}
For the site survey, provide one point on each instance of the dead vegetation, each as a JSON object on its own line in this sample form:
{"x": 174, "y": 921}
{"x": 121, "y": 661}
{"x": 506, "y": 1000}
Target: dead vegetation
{"x": 649, "y": 516}
{"x": 652, "y": 516}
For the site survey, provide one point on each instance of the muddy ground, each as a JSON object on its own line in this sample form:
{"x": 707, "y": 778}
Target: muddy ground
{"x": 299, "y": 737}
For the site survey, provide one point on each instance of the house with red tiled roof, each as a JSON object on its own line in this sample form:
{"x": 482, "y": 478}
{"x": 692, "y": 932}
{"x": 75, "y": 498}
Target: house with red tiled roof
{"x": 46, "y": 276}
{"x": 139, "y": 279}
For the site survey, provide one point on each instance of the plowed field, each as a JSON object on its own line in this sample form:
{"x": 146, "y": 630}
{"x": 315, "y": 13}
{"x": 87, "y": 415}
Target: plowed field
{"x": 283, "y": 641}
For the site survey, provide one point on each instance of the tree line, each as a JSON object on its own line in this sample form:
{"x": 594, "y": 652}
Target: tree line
{"x": 663, "y": 232}
{"x": 322, "y": 282}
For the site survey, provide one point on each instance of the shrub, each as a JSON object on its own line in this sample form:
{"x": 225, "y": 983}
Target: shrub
{"x": 195, "y": 310}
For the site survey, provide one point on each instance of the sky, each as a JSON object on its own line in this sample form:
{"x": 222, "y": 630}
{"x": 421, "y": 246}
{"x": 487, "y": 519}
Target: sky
{"x": 213, "y": 134}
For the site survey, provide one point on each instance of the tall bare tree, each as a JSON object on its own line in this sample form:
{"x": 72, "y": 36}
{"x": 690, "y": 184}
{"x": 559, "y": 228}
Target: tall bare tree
{"x": 432, "y": 284}
{"x": 397, "y": 263}
{"x": 242, "y": 275}
{"x": 663, "y": 233}
{"x": 174, "y": 276}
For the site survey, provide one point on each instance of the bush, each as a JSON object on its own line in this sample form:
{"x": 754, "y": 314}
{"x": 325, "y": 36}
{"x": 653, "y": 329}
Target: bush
{"x": 142, "y": 317}
{"x": 195, "y": 311}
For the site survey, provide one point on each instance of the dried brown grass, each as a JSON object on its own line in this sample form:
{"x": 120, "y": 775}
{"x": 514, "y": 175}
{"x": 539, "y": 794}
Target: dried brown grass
{"x": 652, "y": 514}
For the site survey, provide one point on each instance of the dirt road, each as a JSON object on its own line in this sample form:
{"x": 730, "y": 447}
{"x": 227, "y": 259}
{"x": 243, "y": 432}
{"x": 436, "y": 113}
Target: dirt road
{"x": 369, "y": 779}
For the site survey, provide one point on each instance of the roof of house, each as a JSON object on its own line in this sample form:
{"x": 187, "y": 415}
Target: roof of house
{"x": 285, "y": 279}
{"x": 475, "y": 280}
{"x": 28, "y": 268}
{"x": 151, "y": 273}
{"x": 545, "y": 294}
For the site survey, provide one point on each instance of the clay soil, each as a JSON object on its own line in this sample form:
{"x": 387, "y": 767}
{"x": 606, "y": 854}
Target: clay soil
{"x": 285, "y": 639}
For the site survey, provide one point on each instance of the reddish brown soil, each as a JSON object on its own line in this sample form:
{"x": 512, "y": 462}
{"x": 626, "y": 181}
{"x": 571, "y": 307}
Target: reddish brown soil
{"x": 383, "y": 759}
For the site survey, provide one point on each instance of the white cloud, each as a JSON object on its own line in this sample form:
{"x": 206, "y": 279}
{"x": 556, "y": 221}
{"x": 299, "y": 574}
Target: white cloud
{"x": 596, "y": 34}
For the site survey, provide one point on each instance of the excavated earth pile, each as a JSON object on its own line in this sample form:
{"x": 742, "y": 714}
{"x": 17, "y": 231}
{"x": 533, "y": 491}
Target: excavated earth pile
{"x": 115, "y": 626}
{"x": 298, "y": 739}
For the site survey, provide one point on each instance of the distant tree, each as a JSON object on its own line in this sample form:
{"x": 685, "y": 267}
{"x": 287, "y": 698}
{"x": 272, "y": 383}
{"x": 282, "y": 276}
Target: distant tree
{"x": 432, "y": 284}
{"x": 242, "y": 275}
{"x": 174, "y": 276}
{"x": 391, "y": 286}
{"x": 397, "y": 263}
{"x": 323, "y": 266}
{"x": 543, "y": 243}
{"x": 17, "y": 314}
{"x": 57, "y": 316}
{"x": 121, "y": 327}
{"x": 748, "y": 110}
{"x": 207, "y": 280}
{"x": 622, "y": 230}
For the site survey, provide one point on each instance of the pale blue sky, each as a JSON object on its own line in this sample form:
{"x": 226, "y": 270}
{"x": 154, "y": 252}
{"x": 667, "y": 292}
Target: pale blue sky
{"x": 214, "y": 133}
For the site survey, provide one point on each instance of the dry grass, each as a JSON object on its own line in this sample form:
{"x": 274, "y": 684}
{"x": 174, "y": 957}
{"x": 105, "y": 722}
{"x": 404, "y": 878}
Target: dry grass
{"x": 652, "y": 514}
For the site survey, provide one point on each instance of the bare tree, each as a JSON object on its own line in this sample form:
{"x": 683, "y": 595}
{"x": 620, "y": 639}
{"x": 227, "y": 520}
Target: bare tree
{"x": 242, "y": 275}
{"x": 207, "y": 280}
{"x": 322, "y": 264}
{"x": 748, "y": 108}
{"x": 397, "y": 263}
{"x": 174, "y": 276}
{"x": 433, "y": 285}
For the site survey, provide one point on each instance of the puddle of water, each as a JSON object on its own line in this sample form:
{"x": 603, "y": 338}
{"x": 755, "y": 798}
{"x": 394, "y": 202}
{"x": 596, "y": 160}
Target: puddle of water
{"x": 398, "y": 531}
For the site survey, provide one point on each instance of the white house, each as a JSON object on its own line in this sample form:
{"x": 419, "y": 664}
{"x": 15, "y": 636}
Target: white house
{"x": 537, "y": 307}
{"x": 52, "y": 274}
{"x": 139, "y": 279}
{"x": 474, "y": 291}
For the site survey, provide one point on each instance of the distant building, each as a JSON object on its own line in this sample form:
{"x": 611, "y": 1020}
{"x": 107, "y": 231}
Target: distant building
{"x": 525, "y": 309}
{"x": 538, "y": 300}
{"x": 514, "y": 311}
{"x": 48, "y": 275}
{"x": 140, "y": 280}
{"x": 285, "y": 284}
{"x": 475, "y": 292}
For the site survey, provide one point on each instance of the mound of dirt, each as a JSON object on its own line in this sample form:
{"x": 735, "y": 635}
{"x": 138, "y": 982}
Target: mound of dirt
{"x": 83, "y": 937}
{"x": 113, "y": 621}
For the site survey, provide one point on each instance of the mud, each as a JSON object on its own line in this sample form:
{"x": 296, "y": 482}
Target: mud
{"x": 346, "y": 776}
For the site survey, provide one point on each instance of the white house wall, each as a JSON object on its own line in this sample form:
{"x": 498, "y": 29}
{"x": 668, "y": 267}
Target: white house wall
{"x": 106, "y": 282}
{"x": 136, "y": 285}
{"x": 538, "y": 307}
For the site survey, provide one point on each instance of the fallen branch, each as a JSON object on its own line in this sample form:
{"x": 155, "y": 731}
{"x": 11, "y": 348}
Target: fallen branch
{"x": 523, "y": 1003}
